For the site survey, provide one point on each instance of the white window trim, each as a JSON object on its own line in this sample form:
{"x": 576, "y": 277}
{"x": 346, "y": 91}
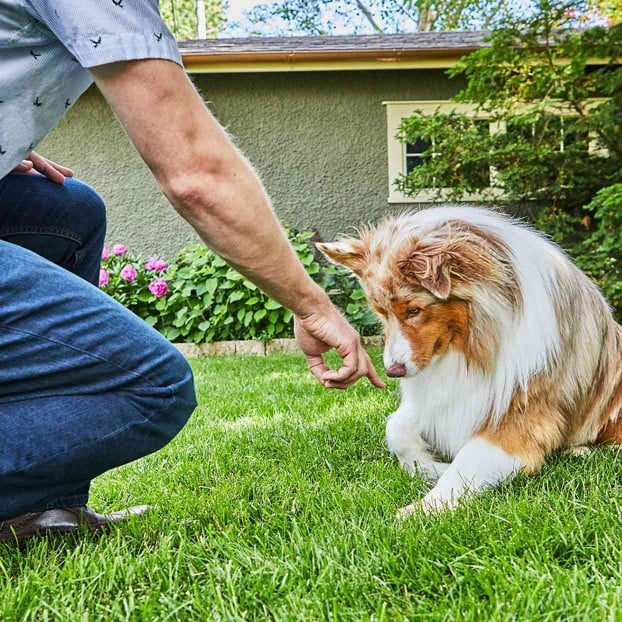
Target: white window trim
{"x": 399, "y": 110}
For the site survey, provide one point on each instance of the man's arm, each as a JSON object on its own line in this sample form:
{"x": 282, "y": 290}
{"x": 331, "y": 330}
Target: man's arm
{"x": 215, "y": 189}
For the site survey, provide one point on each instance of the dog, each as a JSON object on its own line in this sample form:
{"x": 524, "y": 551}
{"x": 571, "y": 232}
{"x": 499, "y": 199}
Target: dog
{"x": 505, "y": 351}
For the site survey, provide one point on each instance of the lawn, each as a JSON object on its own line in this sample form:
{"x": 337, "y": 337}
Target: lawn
{"x": 277, "y": 502}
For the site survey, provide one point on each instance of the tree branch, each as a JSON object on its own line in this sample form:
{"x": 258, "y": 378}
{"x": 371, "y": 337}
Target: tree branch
{"x": 370, "y": 18}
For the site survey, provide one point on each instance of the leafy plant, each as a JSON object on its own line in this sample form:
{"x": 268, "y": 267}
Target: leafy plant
{"x": 347, "y": 294}
{"x": 598, "y": 248}
{"x": 554, "y": 98}
{"x": 199, "y": 298}
{"x": 131, "y": 281}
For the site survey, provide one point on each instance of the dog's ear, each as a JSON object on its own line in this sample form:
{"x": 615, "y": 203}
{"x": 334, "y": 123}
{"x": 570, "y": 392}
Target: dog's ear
{"x": 348, "y": 252}
{"x": 428, "y": 269}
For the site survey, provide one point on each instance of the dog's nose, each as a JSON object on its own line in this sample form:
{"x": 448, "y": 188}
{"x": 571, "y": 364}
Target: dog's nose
{"x": 397, "y": 370}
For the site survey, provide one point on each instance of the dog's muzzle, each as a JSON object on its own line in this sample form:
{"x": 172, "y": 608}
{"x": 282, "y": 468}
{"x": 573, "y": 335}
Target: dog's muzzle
{"x": 397, "y": 370}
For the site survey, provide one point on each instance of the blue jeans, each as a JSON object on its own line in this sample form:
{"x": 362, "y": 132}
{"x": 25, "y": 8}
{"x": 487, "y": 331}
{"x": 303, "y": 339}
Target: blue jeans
{"x": 85, "y": 385}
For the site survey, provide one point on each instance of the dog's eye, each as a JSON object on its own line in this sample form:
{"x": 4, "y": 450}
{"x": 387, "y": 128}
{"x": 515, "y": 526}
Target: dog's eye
{"x": 411, "y": 313}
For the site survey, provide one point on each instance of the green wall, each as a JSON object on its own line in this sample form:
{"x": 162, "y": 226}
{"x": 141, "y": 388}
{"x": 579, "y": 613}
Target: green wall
{"x": 318, "y": 141}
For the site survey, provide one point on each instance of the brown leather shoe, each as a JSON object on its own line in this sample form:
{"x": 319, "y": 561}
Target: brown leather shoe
{"x": 62, "y": 521}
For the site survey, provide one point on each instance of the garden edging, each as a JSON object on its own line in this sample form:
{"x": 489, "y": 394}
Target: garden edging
{"x": 253, "y": 347}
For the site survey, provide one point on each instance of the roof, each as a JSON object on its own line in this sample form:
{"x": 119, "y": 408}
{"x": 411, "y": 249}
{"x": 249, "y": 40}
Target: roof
{"x": 322, "y": 53}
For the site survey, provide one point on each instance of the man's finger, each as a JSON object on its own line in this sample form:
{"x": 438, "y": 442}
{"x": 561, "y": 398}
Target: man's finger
{"x": 347, "y": 369}
{"x": 45, "y": 168}
{"x": 23, "y": 167}
{"x": 338, "y": 385}
{"x": 67, "y": 172}
{"x": 317, "y": 367}
{"x": 372, "y": 374}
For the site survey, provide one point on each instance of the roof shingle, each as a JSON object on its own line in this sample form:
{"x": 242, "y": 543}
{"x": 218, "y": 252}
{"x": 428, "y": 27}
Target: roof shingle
{"x": 399, "y": 46}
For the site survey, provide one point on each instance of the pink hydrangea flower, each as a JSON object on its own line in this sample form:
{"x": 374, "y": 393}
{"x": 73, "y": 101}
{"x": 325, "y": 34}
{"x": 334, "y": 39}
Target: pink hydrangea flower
{"x": 104, "y": 278}
{"x": 119, "y": 249}
{"x": 128, "y": 273}
{"x": 158, "y": 288}
{"x": 156, "y": 265}
{"x": 105, "y": 253}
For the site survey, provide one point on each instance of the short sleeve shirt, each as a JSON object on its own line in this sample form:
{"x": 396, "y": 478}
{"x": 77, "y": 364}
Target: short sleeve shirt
{"x": 46, "y": 50}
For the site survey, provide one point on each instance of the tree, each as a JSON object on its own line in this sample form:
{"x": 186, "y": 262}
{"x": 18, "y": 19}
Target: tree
{"x": 319, "y": 17}
{"x": 181, "y": 17}
{"x": 553, "y": 97}
{"x": 562, "y": 139}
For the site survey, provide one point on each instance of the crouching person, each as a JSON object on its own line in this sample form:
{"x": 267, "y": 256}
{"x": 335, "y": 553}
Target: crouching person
{"x": 85, "y": 385}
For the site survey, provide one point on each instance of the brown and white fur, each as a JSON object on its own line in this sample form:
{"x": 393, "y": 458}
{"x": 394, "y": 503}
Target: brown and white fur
{"x": 506, "y": 352}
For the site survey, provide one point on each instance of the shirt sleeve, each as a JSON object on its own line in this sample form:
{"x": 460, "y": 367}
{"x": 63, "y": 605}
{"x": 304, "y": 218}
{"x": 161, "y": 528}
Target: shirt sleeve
{"x": 97, "y": 32}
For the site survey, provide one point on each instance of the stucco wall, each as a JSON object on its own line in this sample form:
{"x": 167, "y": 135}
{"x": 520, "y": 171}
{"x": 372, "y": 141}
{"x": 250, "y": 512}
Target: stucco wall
{"x": 318, "y": 141}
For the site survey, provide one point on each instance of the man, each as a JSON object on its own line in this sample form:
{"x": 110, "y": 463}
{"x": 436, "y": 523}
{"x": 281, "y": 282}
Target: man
{"x": 84, "y": 385}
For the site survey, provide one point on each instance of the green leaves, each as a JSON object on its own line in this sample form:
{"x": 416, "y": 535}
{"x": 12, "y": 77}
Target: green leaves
{"x": 209, "y": 301}
{"x": 552, "y": 135}
{"x": 545, "y": 125}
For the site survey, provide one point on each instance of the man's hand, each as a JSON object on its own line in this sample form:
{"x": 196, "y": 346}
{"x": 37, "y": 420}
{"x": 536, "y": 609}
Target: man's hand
{"x": 318, "y": 333}
{"x": 34, "y": 163}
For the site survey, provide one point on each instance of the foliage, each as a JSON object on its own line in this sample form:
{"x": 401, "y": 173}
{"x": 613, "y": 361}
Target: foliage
{"x": 559, "y": 140}
{"x": 598, "y": 248}
{"x": 555, "y": 146}
{"x": 181, "y": 17}
{"x": 132, "y": 282}
{"x": 210, "y": 301}
{"x": 199, "y": 298}
{"x": 319, "y": 17}
{"x": 345, "y": 291}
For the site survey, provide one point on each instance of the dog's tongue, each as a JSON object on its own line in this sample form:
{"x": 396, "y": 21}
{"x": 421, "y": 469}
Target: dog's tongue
{"x": 397, "y": 370}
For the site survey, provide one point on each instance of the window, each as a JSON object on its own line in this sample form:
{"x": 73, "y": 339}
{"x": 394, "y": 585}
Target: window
{"x": 414, "y": 153}
{"x": 404, "y": 158}
{"x": 554, "y": 132}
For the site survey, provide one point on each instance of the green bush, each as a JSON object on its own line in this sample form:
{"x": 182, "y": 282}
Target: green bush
{"x": 199, "y": 298}
{"x": 593, "y": 241}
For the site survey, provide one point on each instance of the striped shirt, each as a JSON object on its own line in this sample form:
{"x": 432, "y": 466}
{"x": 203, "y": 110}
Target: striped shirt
{"x": 46, "y": 50}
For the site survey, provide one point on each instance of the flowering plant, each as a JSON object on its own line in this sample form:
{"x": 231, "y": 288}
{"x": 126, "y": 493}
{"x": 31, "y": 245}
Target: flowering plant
{"x": 199, "y": 298}
{"x": 135, "y": 284}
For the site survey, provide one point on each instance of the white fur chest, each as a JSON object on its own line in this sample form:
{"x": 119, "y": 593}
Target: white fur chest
{"x": 446, "y": 403}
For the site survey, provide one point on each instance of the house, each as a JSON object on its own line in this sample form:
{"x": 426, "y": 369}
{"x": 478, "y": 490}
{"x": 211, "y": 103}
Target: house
{"x": 316, "y": 115}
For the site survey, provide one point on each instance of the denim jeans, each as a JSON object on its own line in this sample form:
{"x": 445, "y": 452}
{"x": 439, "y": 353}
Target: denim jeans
{"x": 85, "y": 385}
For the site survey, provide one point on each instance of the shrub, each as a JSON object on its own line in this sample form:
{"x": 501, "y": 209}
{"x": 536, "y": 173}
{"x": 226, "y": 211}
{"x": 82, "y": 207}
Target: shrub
{"x": 593, "y": 241}
{"x": 199, "y": 298}
{"x": 132, "y": 282}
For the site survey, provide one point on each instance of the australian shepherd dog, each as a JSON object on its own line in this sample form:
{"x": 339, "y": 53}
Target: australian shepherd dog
{"x": 506, "y": 352}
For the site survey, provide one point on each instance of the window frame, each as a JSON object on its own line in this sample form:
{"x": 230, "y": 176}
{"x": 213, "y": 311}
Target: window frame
{"x": 398, "y": 110}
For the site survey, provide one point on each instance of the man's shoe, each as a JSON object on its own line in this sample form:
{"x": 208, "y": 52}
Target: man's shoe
{"x": 62, "y": 521}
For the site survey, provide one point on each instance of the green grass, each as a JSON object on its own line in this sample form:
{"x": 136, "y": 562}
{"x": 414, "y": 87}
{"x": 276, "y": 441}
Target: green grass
{"x": 277, "y": 502}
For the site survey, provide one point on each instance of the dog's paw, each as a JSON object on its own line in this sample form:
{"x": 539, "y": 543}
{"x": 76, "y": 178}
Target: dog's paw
{"x": 406, "y": 512}
{"x": 578, "y": 451}
{"x": 435, "y": 503}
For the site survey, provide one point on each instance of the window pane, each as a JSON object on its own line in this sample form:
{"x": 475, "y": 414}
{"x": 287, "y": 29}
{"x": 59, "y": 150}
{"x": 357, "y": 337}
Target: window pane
{"x": 545, "y": 131}
{"x": 483, "y": 126}
{"x": 573, "y": 136}
{"x": 412, "y": 162}
{"x": 482, "y": 176}
{"x": 419, "y": 146}
{"x": 519, "y": 130}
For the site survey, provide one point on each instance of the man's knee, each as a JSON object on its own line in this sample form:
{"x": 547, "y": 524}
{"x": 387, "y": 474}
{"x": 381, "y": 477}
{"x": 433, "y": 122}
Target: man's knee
{"x": 90, "y": 209}
{"x": 180, "y": 397}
